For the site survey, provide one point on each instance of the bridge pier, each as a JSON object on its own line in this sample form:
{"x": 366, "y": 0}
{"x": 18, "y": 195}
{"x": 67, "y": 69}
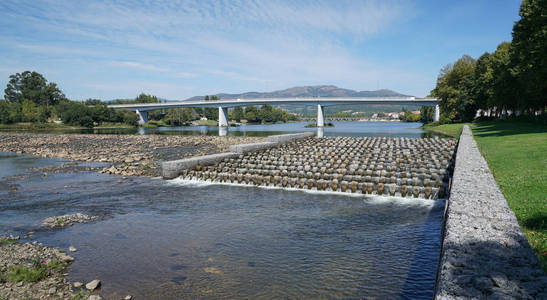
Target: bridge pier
{"x": 437, "y": 113}
{"x": 143, "y": 116}
{"x": 320, "y": 116}
{"x": 222, "y": 116}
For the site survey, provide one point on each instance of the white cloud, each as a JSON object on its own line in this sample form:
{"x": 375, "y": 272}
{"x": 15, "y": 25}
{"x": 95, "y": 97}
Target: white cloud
{"x": 213, "y": 45}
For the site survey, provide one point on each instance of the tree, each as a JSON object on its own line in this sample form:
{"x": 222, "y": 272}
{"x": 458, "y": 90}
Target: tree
{"x": 28, "y": 110}
{"x": 451, "y": 82}
{"x": 32, "y": 86}
{"x": 141, "y": 98}
{"x": 10, "y": 112}
{"x": 409, "y": 116}
{"x": 529, "y": 55}
{"x": 238, "y": 113}
{"x": 251, "y": 114}
{"x": 177, "y": 116}
{"x": 265, "y": 114}
{"x": 427, "y": 114}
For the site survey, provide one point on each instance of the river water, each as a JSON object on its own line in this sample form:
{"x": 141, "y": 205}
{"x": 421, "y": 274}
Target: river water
{"x": 355, "y": 129}
{"x": 161, "y": 239}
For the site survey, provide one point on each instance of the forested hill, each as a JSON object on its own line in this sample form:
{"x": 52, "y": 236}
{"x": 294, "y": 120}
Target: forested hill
{"x": 308, "y": 91}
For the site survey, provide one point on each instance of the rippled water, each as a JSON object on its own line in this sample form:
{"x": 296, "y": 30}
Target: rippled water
{"x": 165, "y": 240}
{"x": 356, "y": 129}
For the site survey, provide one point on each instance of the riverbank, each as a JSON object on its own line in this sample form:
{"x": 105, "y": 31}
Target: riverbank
{"x": 126, "y": 155}
{"x": 28, "y": 126}
{"x": 34, "y": 271}
{"x": 515, "y": 153}
{"x": 485, "y": 253}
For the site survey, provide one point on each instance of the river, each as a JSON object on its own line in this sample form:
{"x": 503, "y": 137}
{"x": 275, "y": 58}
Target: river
{"x": 354, "y": 129}
{"x": 161, "y": 239}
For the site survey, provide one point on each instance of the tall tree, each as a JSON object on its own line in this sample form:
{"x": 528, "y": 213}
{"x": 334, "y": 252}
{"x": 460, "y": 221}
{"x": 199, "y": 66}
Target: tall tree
{"x": 529, "y": 54}
{"x": 451, "y": 82}
{"x": 32, "y": 86}
{"x": 238, "y": 113}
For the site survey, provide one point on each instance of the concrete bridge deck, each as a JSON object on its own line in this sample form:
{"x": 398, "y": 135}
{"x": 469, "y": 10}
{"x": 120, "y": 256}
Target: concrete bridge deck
{"x": 223, "y": 105}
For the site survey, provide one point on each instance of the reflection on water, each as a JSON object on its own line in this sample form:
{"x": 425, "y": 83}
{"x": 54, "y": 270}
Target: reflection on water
{"x": 371, "y": 129}
{"x": 163, "y": 240}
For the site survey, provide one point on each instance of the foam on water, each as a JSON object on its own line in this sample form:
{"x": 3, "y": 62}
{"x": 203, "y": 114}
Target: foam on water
{"x": 369, "y": 198}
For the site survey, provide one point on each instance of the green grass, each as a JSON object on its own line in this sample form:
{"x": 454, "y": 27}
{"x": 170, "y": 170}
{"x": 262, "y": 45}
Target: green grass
{"x": 8, "y": 242}
{"x": 36, "y": 272}
{"x": 81, "y": 295}
{"x": 516, "y": 153}
{"x": 25, "y": 273}
{"x": 453, "y": 130}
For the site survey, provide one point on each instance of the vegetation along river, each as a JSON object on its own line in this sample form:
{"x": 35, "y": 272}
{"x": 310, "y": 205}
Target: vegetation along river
{"x": 172, "y": 239}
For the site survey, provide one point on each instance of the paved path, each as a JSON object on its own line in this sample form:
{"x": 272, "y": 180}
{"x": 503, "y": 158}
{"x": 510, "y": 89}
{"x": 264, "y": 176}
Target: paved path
{"x": 485, "y": 254}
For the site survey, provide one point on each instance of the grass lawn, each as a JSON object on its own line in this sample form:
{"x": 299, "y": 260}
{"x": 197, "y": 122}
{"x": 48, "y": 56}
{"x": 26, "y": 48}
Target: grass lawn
{"x": 448, "y": 129}
{"x": 516, "y": 153}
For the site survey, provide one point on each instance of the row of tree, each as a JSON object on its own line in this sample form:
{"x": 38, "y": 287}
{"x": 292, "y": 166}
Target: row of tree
{"x": 28, "y": 97}
{"x": 265, "y": 114}
{"x": 512, "y": 79}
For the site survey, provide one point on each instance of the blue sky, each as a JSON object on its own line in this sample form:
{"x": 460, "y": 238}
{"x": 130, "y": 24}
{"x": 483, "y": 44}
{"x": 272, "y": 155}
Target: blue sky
{"x": 178, "y": 49}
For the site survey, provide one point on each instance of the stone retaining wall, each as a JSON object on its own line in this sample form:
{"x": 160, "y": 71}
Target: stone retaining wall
{"x": 484, "y": 253}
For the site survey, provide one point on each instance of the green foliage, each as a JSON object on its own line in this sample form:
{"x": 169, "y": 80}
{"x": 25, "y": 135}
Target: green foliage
{"x": 142, "y": 98}
{"x": 10, "y": 112}
{"x": 80, "y": 295}
{"x": 212, "y": 98}
{"x": 408, "y": 116}
{"x": 238, "y": 113}
{"x": 210, "y": 113}
{"x": 33, "y": 273}
{"x": 78, "y": 114}
{"x": 178, "y": 116}
{"x": 427, "y": 114}
{"x": 32, "y": 86}
{"x": 25, "y": 273}
{"x": 529, "y": 55}
{"x": 512, "y": 78}
{"x": 267, "y": 114}
{"x": 450, "y": 86}
{"x": 8, "y": 242}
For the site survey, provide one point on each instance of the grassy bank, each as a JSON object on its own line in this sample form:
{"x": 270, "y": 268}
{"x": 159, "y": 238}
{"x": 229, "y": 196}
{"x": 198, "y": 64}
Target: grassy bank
{"x": 453, "y": 130}
{"x": 516, "y": 153}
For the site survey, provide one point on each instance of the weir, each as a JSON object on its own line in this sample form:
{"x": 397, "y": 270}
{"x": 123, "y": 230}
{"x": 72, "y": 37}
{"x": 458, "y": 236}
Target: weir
{"x": 399, "y": 167}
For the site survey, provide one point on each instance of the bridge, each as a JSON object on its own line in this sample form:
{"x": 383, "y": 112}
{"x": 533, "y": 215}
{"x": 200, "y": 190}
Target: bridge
{"x": 223, "y": 105}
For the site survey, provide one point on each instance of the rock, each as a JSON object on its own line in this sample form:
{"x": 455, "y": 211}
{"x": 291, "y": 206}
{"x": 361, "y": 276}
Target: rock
{"x": 93, "y": 285}
{"x": 128, "y": 297}
{"x": 77, "y": 284}
{"x": 19, "y": 284}
{"x": 52, "y": 291}
{"x": 66, "y": 258}
{"x": 212, "y": 270}
{"x": 95, "y": 297}
{"x": 72, "y": 249}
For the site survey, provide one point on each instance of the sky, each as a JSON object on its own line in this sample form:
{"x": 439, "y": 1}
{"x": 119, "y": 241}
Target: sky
{"x": 178, "y": 49}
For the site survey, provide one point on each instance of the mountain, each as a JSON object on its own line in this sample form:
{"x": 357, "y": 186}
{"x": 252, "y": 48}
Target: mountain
{"x": 307, "y": 91}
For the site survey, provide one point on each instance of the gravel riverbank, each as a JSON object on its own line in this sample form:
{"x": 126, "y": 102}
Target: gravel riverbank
{"x": 33, "y": 271}
{"x": 485, "y": 254}
{"x": 128, "y": 155}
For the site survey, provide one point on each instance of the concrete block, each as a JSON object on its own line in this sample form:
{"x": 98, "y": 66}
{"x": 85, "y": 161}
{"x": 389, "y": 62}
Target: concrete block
{"x": 286, "y": 138}
{"x": 172, "y": 169}
{"x": 244, "y": 148}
